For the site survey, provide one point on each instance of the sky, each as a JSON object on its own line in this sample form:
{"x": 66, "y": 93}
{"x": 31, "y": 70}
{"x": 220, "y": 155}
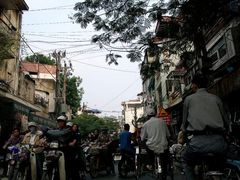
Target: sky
{"x": 47, "y": 27}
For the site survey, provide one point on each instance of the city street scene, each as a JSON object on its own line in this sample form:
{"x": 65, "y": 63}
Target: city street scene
{"x": 120, "y": 89}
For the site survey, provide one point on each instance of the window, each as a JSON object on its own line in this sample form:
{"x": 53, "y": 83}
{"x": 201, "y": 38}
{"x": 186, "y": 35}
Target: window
{"x": 218, "y": 51}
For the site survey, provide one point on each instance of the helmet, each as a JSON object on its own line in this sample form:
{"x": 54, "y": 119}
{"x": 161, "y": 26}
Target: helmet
{"x": 62, "y": 118}
{"x": 32, "y": 124}
{"x": 69, "y": 124}
{"x": 150, "y": 111}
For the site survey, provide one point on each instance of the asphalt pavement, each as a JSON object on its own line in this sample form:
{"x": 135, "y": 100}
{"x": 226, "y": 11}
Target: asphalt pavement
{"x": 146, "y": 176}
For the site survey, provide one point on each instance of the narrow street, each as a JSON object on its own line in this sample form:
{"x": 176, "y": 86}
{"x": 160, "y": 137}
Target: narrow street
{"x": 147, "y": 176}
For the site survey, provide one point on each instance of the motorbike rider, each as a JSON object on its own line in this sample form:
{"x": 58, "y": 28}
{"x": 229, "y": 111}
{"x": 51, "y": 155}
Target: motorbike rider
{"x": 204, "y": 124}
{"x": 66, "y": 136}
{"x": 34, "y": 139}
{"x": 125, "y": 141}
{"x": 14, "y": 139}
{"x": 156, "y": 135}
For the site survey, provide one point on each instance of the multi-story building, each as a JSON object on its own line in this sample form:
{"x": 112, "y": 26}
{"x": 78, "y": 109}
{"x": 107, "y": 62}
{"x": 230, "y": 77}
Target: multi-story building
{"x": 44, "y": 77}
{"x": 223, "y": 49}
{"x": 16, "y": 89}
{"x": 222, "y": 46}
{"x": 132, "y": 110}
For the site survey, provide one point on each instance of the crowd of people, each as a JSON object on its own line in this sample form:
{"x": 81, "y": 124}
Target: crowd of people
{"x": 204, "y": 127}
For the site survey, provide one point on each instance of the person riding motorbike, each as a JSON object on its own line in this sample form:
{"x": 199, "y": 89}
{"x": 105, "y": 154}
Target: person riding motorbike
{"x": 34, "y": 139}
{"x": 14, "y": 139}
{"x": 125, "y": 141}
{"x": 155, "y": 133}
{"x": 64, "y": 134}
{"x": 127, "y": 150}
{"x": 204, "y": 124}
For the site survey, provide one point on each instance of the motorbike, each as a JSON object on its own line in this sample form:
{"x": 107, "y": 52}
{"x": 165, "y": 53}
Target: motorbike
{"x": 2, "y": 164}
{"x": 126, "y": 164}
{"x": 54, "y": 163}
{"x": 54, "y": 158}
{"x": 18, "y": 164}
{"x": 95, "y": 162}
{"x": 232, "y": 165}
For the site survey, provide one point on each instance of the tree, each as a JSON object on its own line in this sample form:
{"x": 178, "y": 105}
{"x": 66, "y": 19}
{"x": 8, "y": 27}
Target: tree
{"x": 89, "y": 122}
{"x": 40, "y": 58}
{"x": 74, "y": 92}
{"x": 122, "y": 21}
{"x": 127, "y": 21}
{"x": 195, "y": 18}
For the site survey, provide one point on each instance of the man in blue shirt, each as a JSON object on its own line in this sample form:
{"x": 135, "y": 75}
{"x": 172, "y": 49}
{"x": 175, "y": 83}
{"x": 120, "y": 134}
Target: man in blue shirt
{"x": 125, "y": 140}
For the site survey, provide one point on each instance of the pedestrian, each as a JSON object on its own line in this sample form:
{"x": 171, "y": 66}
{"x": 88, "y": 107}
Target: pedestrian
{"x": 204, "y": 124}
{"x": 156, "y": 135}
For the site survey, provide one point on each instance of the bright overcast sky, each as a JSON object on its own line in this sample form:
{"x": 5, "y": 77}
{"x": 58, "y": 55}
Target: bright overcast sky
{"x": 46, "y": 27}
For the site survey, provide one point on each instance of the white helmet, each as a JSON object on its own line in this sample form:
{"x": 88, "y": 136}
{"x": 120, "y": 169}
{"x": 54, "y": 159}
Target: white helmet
{"x": 69, "y": 124}
{"x": 32, "y": 124}
{"x": 62, "y": 118}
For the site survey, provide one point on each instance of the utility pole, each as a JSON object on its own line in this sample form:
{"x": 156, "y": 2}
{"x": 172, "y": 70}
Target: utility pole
{"x": 58, "y": 56}
{"x": 66, "y": 72}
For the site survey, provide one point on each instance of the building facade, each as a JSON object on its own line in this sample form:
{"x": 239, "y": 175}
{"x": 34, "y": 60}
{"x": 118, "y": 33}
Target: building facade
{"x": 16, "y": 89}
{"x": 132, "y": 111}
{"x": 44, "y": 77}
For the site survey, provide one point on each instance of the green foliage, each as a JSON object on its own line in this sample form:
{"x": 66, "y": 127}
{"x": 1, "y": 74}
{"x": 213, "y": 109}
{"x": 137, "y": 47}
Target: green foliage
{"x": 88, "y": 123}
{"x": 127, "y": 21}
{"x": 40, "y": 58}
{"x": 121, "y": 21}
{"x": 74, "y": 93}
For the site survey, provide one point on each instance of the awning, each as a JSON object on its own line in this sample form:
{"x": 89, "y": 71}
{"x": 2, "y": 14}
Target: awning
{"x": 13, "y": 98}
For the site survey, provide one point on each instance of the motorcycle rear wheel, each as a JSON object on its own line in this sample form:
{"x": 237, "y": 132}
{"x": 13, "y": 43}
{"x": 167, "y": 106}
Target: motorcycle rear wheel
{"x": 122, "y": 169}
